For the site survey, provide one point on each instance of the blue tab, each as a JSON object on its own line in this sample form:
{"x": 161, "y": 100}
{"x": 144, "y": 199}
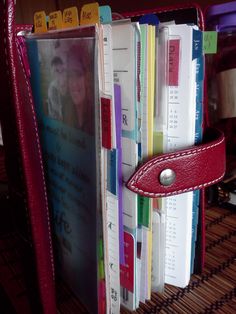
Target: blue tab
{"x": 130, "y": 134}
{"x": 139, "y": 150}
{"x": 198, "y": 122}
{"x": 112, "y": 171}
{"x": 197, "y": 44}
{"x": 198, "y": 126}
{"x": 195, "y": 218}
{"x": 199, "y": 96}
{"x": 150, "y": 19}
{"x": 196, "y": 197}
{"x": 105, "y": 14}
{"x": 200, "y": 69}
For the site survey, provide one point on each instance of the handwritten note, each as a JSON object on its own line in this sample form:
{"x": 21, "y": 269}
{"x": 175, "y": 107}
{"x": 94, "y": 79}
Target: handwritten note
{"x": 105, "y": 14}
{"x": 210, "y": 42}
{"x": 89, "y": 14}
{"x": 40, "y": 23}
{"x": 55, "y": 20}
{"x": 70, "y": 17}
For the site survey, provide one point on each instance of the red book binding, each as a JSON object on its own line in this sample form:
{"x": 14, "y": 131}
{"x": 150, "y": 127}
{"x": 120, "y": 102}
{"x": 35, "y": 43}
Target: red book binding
{"x": 27, "y": 189}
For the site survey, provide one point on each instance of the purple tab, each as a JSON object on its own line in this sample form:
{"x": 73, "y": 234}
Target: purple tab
{"x": 117, "y": 93}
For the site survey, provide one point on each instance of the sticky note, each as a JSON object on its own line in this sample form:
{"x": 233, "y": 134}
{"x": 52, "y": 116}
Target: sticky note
{"x": 158, "y": 140}
{"x": 89, "y": 14}
{"x": 210, "y": 42}
{"x": 55, "y": 20}
{"x": 105, "y": 14}
{"x": 70, "y": 18}
{"x": 40, "y": 23}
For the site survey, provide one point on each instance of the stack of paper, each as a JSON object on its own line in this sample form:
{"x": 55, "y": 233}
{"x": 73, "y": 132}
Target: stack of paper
{"x": 108, "y": 97}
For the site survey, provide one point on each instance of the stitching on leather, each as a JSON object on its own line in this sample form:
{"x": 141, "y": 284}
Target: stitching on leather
{"x": 173, "y": 156}
{"x": 22, "y": 28}
{"x": 197, "y": 187}
{"x": 41, "y": 162}
{"x": 8, "y": 73}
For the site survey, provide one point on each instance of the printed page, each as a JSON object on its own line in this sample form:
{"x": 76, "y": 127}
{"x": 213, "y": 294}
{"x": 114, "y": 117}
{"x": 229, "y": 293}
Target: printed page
{"x": 112, "y": 188}
{"x": 180, "y": 134}
{"x": 124, "y": 60}
{"x": 124, "y": 63}
{"x": 108, "y": 74}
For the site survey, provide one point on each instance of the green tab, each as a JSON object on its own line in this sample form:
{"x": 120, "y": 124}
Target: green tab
{"x": 157, "y": 143}
{"x": 210, "y": 42}
{"x": 101, "y": 269}
{"x": 144, "y": 211}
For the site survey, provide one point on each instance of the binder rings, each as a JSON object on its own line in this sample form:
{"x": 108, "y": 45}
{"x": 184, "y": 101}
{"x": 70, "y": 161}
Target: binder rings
{"x": 28, "y": 198}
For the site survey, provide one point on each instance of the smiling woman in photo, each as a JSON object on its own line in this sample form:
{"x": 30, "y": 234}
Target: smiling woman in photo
{"x": 57, "y": 90}
{"x": 80, "y": 86}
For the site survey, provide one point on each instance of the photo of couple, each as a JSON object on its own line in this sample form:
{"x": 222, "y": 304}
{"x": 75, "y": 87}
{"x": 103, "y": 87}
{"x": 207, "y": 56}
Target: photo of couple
{"x": 68, "y": 77}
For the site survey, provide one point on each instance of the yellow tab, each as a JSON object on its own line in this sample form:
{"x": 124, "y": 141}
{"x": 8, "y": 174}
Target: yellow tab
{"x": 55, "y": 20}
{"x": 151, "y": 85}
{"x": 40, "y": 23}
{"x": 70, "y": 18}
{"x": 89, "y": 14}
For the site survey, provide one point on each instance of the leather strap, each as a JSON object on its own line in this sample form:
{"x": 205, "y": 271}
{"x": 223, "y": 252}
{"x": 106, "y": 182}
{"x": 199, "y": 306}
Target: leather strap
{"x": 194, "y": 168}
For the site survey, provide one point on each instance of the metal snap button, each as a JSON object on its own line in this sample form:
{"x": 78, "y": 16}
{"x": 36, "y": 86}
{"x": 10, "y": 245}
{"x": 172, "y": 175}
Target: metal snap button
{"x": 167, "y": 177}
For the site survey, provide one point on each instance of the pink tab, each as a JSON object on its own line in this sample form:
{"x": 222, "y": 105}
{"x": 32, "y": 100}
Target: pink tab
{"x": 174, "y": 51}
{"x": 106, "y": 122}
{"x": 127, "y": 270}
{"x": 102, "y": 297}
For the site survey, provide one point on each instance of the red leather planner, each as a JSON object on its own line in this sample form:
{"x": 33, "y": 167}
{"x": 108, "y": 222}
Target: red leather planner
{"x": 196, "y": 168}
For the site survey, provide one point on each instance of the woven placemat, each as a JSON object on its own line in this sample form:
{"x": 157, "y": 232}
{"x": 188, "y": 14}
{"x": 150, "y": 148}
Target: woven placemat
{"x": 215, "y": 289}
{"x": 212, "y": 292}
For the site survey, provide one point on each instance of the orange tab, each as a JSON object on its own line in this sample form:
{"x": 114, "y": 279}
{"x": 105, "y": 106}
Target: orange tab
{"x": 70, "y": 18}
{"x": 55, "y": 20}
{"x": 40, "y": 22}
{"x": 89, "y": 14}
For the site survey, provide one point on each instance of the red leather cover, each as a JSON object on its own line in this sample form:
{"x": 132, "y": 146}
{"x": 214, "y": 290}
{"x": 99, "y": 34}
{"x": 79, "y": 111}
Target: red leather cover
{"x": 16, "y": 92}
{"x": 195, "y": 168}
